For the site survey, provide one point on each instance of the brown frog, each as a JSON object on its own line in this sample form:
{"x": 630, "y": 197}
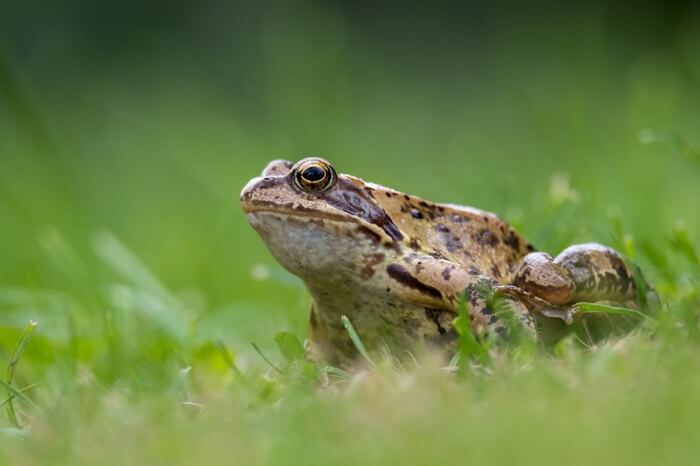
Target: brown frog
{"x": 398, "y": 266}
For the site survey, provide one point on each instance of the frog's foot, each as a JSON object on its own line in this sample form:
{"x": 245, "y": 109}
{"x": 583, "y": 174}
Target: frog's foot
{"x": 535, "y": 304}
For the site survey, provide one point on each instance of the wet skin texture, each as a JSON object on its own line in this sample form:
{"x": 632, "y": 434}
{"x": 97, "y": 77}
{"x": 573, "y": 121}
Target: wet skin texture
{"x": 398, "y": 265}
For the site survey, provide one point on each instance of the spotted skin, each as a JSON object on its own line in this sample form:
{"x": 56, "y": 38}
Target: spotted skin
{"x": 399, "y": 266}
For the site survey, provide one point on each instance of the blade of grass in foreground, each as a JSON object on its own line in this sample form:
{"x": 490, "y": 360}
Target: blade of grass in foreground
{"x": 595, "y": 308}
{"x": 356, "y": 339}
{"x": 14, "y": 359}
{"x": 21, "y": 390}
{"x": 16, "y": 393}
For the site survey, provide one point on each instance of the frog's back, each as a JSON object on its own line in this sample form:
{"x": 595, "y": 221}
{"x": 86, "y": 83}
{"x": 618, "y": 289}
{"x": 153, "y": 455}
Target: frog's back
{"x": 480, "y": 241}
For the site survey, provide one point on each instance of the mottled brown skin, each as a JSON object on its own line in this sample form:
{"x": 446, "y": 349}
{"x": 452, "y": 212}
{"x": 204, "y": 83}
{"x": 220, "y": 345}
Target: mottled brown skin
{"x": 398, "y": 265}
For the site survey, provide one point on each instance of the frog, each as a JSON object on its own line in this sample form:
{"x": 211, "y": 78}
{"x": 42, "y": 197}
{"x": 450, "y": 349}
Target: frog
{"x": 401, "y": 269}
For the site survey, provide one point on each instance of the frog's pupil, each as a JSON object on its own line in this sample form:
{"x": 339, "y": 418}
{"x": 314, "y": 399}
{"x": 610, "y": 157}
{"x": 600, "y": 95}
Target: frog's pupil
{"x": 314, "y": 174}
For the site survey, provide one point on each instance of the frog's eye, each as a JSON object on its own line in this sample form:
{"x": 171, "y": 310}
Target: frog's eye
{"x": 314, "y": 175}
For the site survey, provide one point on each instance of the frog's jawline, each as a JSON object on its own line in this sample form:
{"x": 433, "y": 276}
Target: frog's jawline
{"x": 296, "y": 212}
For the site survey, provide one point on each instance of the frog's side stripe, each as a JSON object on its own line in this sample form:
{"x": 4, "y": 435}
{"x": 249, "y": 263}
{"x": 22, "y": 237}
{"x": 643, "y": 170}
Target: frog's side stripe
{"x": 403, "y": 276}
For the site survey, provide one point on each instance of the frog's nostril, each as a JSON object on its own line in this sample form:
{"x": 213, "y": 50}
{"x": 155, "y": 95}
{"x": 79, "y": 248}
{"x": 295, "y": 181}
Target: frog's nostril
{"x": 247, "y": 191}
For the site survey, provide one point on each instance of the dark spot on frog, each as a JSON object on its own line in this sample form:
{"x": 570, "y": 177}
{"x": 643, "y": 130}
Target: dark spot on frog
{"x": 530, "y": 248}
{"x": 368, "y": 264}
{"x": 415, "y": 213}
{"x": 473, "y": 270}
{"x": 452, "y": 243}
{"x": 512, "y": 240}
{"x": 625, "y": 281}
{"x": 414, "y": 244}
{"x": 403, "y": 276}
{"x": 486, "y": 237}
{"x": 447, "y": 272}
{"x": 434, "y": 315}
{"x": 388, "y": 194}
{"x": 419, "y": 267}
{"x": 407, "y": 197}
{"x": 496, "y": 273}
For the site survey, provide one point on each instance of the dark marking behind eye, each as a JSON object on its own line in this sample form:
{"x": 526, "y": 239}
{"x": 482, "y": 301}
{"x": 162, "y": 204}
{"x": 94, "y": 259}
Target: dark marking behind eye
{"x": 403, "y": 276}
{"x": 352, "y": 200}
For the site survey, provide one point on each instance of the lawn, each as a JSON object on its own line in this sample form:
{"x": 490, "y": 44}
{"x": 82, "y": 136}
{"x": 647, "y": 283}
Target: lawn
{"x": 165, "y": 331}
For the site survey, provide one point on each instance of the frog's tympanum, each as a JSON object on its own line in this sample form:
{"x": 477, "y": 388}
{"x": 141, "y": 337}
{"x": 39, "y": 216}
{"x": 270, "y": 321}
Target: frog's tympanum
{"x": 399, "y": 266}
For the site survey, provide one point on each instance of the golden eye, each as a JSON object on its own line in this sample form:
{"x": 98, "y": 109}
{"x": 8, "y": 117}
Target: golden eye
{"x": 314, "y": 175}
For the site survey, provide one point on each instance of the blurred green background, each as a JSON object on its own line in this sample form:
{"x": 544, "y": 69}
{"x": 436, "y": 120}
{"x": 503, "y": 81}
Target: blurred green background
{"x": 127, "y": 130}
{"x": 146, "y": 119}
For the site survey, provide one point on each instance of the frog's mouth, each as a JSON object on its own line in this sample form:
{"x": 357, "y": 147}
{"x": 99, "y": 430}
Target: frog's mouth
{"x": 298, "y": 211}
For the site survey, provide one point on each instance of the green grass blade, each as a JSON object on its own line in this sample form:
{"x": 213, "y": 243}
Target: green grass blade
{"x": 14, "y": 359}
{"x": 595, "y": 308}
{"x": 22, "y": 390}
{"x": 356, "y": 339}
{"x": 265, "y": 358}
{"x": 18, "y": 394}
{"x": 290, "y": 347}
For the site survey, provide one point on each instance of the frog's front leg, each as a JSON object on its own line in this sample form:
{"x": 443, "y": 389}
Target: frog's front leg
{"x": 584, "y": 272}
{"x": 494, "y": 312}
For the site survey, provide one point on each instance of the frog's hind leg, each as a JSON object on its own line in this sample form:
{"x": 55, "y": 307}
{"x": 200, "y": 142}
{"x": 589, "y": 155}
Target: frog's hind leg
{"x": 584, "y": 272}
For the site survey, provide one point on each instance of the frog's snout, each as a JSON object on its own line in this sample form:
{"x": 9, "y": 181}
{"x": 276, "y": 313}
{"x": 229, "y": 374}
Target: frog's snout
{"x": 262, "y": 188}
{"x": 247, "y": 192}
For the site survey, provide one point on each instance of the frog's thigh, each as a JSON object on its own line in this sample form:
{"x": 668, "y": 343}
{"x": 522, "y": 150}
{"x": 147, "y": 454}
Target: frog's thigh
{"x": 597, "y": 273}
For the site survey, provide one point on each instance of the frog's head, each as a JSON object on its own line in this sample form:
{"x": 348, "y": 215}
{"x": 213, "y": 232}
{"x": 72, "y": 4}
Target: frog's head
{"x": 315, "y": 220}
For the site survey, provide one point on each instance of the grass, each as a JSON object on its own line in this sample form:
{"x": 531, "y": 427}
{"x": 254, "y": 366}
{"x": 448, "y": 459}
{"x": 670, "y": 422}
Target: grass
{"x": 120, "y": 236}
